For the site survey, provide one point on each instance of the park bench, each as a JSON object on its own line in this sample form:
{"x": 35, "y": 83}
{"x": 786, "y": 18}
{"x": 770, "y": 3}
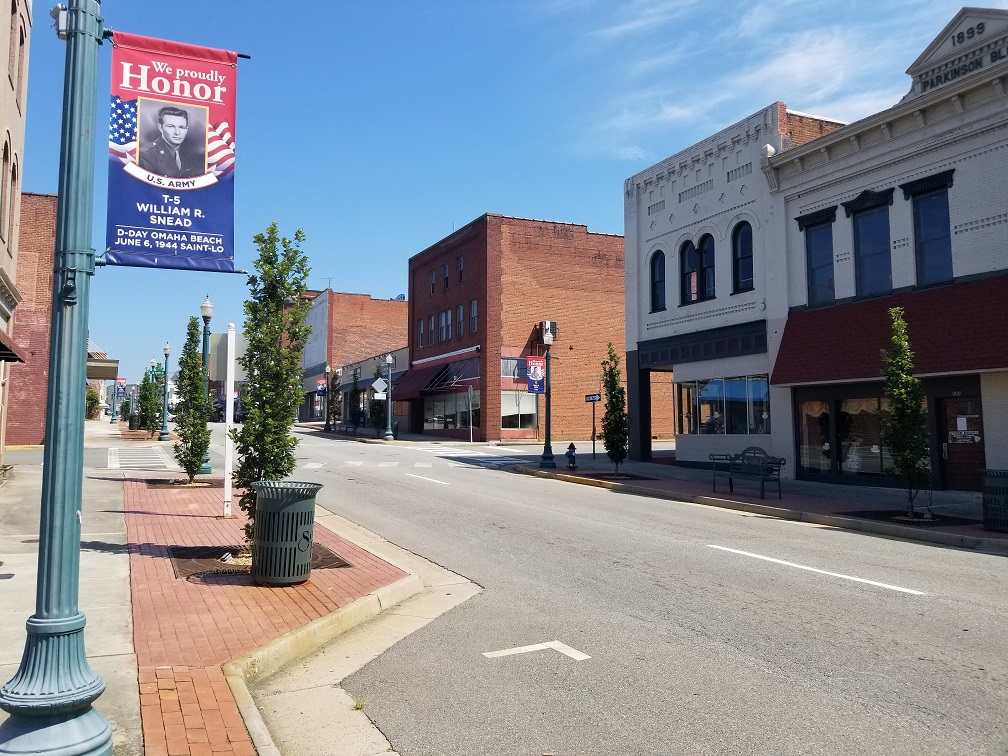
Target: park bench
{"x": 753, "y": 463}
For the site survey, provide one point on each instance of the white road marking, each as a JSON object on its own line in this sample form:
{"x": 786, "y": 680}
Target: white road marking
{"x": 563, "y": 648}
{"x": 821, "y": 572}
{"x": 144, "y": 457}
{"x": 505, "y": 449}
{"x": 423, "y": 464}
{"x": 355, "y": 463}
{"x": 312, "y": 465}
{"x": 388, "y": 464}
{"x": 428, "y": 479}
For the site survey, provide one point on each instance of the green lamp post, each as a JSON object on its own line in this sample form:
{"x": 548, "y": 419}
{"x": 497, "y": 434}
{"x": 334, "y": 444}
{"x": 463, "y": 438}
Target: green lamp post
{"x": 49, "y": 698}
{"x": 206, "y": 311}
{"x": 389, "y": 359}
{"x": 165, "y": 435}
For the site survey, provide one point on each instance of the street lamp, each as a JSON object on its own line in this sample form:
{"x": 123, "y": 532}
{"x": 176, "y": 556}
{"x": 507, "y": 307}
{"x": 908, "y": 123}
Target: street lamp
{"x": 328, "y": 425}
{"x": 206, "y": 310}
{"x": 548, "y": 331}
{"x": 389, "y": 359}
{"x": 165, "y": 435}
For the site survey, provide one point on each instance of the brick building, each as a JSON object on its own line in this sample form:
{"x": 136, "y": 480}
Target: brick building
{"x": 475, "y": 301}
{"x": 347, "y": 328}
{"x": 33, "y": 319}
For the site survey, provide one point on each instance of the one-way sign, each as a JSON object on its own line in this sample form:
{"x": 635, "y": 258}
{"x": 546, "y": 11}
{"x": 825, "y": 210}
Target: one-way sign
{"x": 593, "y": 397}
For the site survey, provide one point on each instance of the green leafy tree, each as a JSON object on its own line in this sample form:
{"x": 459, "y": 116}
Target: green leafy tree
{"x": 354, "y": 402}
{"x": 276, "y": 331}
{"x": 91, "y": 401}
{"x": 124, "y": 410}
{"x": 149, "y": 403}
{"x": 193, "y": 408}
{"x": 904, "y": 426}
{"x": 616, "y": 419}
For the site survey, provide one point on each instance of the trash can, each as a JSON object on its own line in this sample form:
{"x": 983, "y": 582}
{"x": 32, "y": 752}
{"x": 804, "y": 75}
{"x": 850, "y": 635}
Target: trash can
{"x": 283, "y": 532}
{"x": 134, "y": 422}
{"x": 995, "y": 500}
{"x": 395, "y": 429}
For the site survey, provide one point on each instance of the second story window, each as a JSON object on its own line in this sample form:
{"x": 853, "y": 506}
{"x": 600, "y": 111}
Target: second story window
{"x": 472, "y": 316}
{"x": 658, "y": 281}
{"x": 697, "y": 271}
{"x": 869, "y": 213}
{"x": 432, "y": 280}
{"x": 818, "y": 228}
{"x": 932, "y": 229}
{"x": 459, "y": 317}
{"x": 446, "y": 275}
{"x": 742, "y": 258}
{"x": 460, "y": 268}
{"x": 430, "y": 330}
{"x": 419, "y": 333}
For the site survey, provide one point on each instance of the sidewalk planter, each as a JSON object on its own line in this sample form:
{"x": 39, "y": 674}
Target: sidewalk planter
{"x": 284, "y": 527}
{"x": 995, "y": 500}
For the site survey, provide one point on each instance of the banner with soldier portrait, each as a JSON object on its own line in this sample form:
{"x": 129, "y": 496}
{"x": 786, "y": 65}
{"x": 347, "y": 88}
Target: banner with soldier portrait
{"x": 171, "y": 155}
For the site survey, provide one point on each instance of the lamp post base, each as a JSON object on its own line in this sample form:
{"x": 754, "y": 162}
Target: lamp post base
{"x": 205, "y": 469}
{"x": 165, "y": 436}
{"x": 83, "y": 733}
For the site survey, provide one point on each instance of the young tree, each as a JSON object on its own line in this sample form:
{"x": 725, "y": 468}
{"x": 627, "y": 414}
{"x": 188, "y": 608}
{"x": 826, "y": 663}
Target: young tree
{"x": 124, "y": 409}
{"x": 91, "y": 401}
{"x": 376, "y": 409}
{"x": 276, "y": 331}
{"x": 615, "y": 420}
{"x": 193, "y": 409}
{"x": 904, "y": 426}
{"x": 354, "y": 403}
{"x": 149, "y": 404}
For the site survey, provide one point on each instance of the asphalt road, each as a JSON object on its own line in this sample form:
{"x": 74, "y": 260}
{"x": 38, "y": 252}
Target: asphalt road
{"x": 708, "y": 631}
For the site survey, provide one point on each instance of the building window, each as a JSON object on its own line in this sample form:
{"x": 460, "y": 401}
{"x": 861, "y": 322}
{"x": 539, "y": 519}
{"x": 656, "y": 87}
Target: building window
{"x": 419, "y": 333}
{"x": 742, "y": 258}
{"x": 14, "y": 49}
{"x": 433, "y": 278}
{"x": 430, "y": 330}
{"x": 872, "y": 257}
{"x": 932, "y": 237}
{"x": 472, "y": 317}
{"x": 697, "y": 268}
{"x": 460, "y": 266}
{"x": 518, "y": 410}
{"x": 819, "y": 264}
{"x": 444, "y": 332}
{"x": 446, "y": 275}
{"x": 842, "y": 435}
{"x": 515, "y": 368}
{"x": 5, "y": 197}
{"x": 459, "y": 317}
{"x": 658, "y": 281}
{"x": 735, "y": 406}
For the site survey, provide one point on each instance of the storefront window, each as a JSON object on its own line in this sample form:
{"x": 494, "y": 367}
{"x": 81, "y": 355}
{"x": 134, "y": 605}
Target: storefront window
{"x": 518, "y": 410}
{"x": 686, "y": 401}
{"x": 759, "y": 403}
{"x": 739, "y": 405}
{"x": 814, "y": 452}
{"x": 859, "y": 428}
{"x": 736, "y": 406}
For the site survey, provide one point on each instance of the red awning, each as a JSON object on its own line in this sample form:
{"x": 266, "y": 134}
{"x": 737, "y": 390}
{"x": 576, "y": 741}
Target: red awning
{"x": 410, "y": 385}
{"x": 9, "y": 350}
{"x": 960, "y": 328}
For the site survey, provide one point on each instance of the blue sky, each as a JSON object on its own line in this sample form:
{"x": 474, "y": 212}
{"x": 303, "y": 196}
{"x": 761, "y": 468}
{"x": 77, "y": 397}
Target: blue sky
{"x": 380, "y": 127}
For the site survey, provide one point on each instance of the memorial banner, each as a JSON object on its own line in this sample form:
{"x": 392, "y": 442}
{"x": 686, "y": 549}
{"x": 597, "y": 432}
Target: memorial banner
{"x": 171, "y": 155}
{"x": 536, "y": 374}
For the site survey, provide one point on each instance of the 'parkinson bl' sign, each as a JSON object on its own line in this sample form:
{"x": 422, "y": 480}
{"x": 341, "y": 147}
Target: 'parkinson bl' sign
{"x": 171, "y": 155}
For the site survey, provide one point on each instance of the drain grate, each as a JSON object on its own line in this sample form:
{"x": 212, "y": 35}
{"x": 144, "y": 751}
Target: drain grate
{"x": 193, "y": 561}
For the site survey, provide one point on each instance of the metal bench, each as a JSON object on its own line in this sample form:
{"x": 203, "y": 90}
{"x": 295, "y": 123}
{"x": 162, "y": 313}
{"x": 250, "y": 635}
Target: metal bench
{"x": 753, "y": 463}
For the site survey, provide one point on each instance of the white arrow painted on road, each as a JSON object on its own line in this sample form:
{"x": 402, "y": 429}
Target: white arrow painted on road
{"x": 563, "y": 648}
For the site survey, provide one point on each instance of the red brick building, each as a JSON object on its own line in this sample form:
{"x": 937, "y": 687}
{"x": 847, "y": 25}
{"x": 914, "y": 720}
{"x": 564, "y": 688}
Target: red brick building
{"x": 32, "y": 320}
{"x": 476, "y": 299}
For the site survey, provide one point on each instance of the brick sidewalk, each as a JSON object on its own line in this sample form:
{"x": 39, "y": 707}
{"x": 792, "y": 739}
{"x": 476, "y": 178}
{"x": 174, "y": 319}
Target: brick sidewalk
{"x": 183, "y": 631}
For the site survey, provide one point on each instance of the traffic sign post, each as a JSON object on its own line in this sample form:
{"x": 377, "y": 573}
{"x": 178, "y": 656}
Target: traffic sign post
{"x": 592, "y": 399}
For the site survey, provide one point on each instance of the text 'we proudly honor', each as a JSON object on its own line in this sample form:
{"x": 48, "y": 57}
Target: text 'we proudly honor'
{"x": 171, "y": 155}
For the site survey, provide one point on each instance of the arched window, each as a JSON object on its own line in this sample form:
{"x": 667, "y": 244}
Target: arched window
{"x": 12, "y": 203}
{"x": 742, "y": 258}
{"x": 697, "y": 270}
{"x": 658, "y": 281}
{"x": 5, "y": 197}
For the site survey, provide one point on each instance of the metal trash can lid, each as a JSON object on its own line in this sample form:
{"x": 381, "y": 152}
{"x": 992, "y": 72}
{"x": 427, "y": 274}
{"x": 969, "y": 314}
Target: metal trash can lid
{"x": 296, "y": 487}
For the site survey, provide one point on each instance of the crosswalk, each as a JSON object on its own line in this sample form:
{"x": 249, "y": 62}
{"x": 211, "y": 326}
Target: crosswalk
{"x": 141, "y": 458}
{"x": 453, "y": 456}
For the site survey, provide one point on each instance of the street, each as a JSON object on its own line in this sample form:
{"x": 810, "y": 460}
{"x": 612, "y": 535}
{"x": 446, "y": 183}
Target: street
{"x": 706, "y": 630}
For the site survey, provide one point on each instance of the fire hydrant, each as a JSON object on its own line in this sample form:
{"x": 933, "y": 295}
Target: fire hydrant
{"x": 571, "y": 459}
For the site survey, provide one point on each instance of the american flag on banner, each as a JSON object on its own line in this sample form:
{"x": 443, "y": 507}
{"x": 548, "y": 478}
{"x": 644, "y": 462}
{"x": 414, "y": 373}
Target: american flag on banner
{"x": 123, "y": 138}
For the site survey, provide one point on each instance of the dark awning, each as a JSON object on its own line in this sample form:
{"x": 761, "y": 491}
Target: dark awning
{"x": 958, "y": 328}
{"x": 415, "y": 379}
{"x": 10, "y": 351}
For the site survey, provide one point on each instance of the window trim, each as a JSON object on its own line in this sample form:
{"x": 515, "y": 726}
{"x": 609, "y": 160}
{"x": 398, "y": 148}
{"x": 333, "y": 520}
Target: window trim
{"x": 461, "y": 266}
{"x": 473, "y": 314}
{"x": 737, "y": 288}
{"x": 705, "y": 271}
{"x": 659, "y": 255}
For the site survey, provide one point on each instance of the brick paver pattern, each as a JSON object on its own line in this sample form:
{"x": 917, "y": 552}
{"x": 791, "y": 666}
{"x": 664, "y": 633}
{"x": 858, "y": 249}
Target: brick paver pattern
{"x": 183, "y": 631}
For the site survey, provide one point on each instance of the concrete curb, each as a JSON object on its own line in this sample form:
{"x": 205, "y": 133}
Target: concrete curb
{"x": 993, "y": 545}
{"x": 296, "y": 644}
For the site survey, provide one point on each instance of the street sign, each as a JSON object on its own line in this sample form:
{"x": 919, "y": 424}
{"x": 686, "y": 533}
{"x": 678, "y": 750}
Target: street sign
{"x": 379, "y": 395}
{"x": 593, "y": 397}
{"x": 379, "y": 385}
{"x": 121, "y": 392}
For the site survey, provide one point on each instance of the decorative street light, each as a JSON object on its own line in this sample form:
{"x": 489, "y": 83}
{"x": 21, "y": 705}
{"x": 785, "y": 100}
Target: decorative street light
{"x": 50, "y": 695}
{"x": 389, "y": 359}
{"x": 165, "y": 435}
{"x": 206, "y": 310}
{"x": 328, "y": 425}
{"x": 548, "y": 329}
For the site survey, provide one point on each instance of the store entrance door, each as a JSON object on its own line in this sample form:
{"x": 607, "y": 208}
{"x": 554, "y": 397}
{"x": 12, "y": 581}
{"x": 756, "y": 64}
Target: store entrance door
{"x": 962, "y": 440}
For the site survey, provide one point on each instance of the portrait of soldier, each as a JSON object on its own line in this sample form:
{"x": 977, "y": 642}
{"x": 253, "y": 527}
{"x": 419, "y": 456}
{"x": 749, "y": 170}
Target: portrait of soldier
{"x": 166, "y": 156}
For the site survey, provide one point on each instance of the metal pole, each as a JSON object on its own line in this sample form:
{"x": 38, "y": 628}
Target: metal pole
{"x": 114, "y": 401}
{"x": 165, "y": 435}
{"x": 388, "y": 403}
{"x": 547, "y": 455}
{"x": 229, "y": 377}
{"x": 593, "y": 429}
{"x": 328, "y": 388}
{"x": 49, "y": 698}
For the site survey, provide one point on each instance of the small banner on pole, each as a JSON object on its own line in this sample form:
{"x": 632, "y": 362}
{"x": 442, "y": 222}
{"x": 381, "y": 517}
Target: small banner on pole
{"x": 536, "y": 374}
{"x": 171, "y": 155}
